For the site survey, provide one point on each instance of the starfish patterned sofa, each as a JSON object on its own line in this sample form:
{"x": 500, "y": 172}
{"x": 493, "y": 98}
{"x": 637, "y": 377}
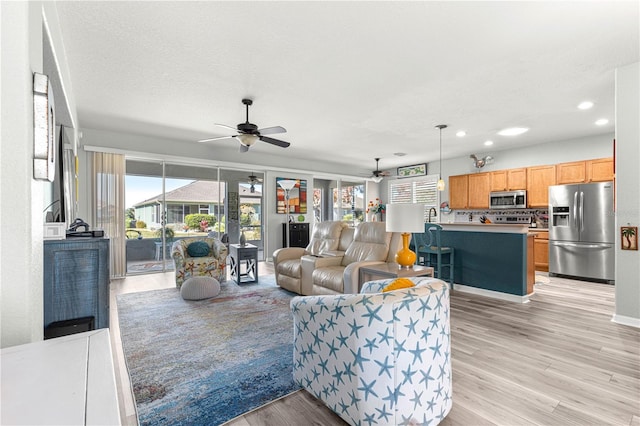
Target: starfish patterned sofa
{"x": 377, "y": 357}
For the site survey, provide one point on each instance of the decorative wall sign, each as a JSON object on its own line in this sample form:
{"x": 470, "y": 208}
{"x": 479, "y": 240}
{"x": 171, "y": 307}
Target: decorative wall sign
{"x": 232, "y": 205}
{"x": 629, "y": 237}
{"x": 411, "y": 171}
{"x": 297, "y": 197}
{"x": 44, "y": 125}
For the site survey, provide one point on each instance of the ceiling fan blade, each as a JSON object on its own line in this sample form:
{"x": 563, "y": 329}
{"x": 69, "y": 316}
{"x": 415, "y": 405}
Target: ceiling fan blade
{"x": 217, "y": 139}
{"x": 226, "y": 127}
{"x": 272, "y": 130}
{"x": 244, "y": 148}
{"x": 276, "y": 142}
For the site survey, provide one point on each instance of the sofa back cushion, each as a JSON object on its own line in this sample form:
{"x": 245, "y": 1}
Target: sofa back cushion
{"x": 346, "y": 238}
{"x": 325, "y": 237}
{"x": 370, "y": 242}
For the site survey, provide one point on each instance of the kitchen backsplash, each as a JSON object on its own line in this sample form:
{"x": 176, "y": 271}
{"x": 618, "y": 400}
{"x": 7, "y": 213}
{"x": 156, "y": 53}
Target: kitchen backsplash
{"x": 536, "y": 218}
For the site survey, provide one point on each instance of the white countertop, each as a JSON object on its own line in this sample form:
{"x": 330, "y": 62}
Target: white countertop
{"x": 486, "y": 227}
{"x": 68, "y": 380}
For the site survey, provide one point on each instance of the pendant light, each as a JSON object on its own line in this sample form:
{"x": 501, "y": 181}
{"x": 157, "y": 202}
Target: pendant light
{"x": 441, "y": 181}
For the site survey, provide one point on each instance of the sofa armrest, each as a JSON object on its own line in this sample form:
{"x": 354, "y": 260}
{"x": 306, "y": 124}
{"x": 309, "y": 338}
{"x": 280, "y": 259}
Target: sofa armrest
{"x": 288, "y": 253}
{"x": 220, "y": 249}
{"x": 308, "y": 264}
{"x": 352, "y": 275}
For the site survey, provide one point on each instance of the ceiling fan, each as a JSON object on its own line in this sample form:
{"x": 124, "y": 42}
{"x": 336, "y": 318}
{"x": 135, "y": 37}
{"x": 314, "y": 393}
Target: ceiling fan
{"x": 248, "y": 133}
{"x": 253, "y": 180}
{"x": 377, "y": 174}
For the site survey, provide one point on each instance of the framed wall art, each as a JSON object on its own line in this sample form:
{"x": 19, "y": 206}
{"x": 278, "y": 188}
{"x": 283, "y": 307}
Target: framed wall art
{"x": 297, "y": 197}
{"x": 411, "y": 171}
{"x": 629, "y": 237}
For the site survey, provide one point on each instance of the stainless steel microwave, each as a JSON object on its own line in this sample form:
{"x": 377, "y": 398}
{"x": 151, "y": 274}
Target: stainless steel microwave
{"x": 508, "y": 200}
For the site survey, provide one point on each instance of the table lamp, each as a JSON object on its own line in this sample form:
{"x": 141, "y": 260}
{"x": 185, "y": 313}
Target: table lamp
{"x": 406, "y": 219}
{"x": 287, "y": 185}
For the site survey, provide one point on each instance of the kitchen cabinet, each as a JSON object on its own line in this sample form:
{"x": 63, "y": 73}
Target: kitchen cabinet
{"x": 517, "y": 179}
{"x": 600, "y": 170}
{"x": 541, "y": 250}
{"x": 539, "y": 179}
{"x": 499, "y": 180}
{"x": 479, "y": 188}
{"x": 574, "y": 172}
{"x": 459, "y": 192}
{"x": 509, "y": 180}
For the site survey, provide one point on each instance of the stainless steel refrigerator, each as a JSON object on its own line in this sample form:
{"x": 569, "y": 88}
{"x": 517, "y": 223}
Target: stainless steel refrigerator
{"x": 582, "y": 231}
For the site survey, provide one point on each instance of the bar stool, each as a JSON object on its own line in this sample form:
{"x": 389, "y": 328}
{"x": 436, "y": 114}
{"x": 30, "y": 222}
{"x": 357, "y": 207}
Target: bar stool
{"x": 430, "y": 252}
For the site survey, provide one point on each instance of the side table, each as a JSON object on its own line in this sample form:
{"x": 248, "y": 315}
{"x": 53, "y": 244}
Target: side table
{"x": 246, "y": 256}
{"x": 391, "y": 270}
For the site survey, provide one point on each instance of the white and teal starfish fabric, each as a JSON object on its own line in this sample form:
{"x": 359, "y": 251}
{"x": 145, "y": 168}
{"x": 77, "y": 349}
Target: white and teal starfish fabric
{"x": 377, "y": 358}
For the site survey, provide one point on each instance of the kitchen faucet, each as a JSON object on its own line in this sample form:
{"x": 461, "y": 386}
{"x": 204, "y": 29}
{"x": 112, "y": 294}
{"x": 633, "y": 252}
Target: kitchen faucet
{"x": 435, "y": 213}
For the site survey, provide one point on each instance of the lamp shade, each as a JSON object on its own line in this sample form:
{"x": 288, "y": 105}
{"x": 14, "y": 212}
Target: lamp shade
{"x": 404, "y": 217}
{"x": 287, "y": 184}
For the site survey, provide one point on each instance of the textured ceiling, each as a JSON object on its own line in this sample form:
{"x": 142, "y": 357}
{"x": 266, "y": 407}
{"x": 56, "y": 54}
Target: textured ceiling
{"x": 350, "y": 81}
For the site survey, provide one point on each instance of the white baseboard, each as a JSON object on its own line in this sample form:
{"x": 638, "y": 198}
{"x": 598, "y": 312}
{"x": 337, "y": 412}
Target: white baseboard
{"x": 630, "y": 321}
{"x": 490, "y": 293}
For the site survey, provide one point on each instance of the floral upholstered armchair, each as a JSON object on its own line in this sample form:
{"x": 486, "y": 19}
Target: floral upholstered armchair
{"x": 195, "y": 257}
{"x": 383, "y": 356}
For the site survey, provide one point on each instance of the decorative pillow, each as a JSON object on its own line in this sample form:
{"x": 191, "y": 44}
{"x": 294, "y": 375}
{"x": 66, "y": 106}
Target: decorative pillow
{"x": 398, "y": 283}
{"x": 198, "y": 288}
{"x": 198, "y": 249}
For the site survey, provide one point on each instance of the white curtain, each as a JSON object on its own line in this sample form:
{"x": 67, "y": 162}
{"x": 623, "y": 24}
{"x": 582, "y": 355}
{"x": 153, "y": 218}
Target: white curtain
{"x": 107, "y": 187}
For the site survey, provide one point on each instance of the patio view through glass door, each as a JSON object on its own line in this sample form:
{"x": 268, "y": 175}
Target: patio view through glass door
{"x": 165, "y": 203}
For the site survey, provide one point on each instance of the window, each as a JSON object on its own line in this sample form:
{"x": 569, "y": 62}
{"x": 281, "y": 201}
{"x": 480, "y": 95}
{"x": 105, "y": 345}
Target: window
{"x": 421, "y": 190}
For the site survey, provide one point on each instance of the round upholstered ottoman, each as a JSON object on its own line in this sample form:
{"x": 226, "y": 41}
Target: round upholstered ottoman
{"x": 198, "y": 288}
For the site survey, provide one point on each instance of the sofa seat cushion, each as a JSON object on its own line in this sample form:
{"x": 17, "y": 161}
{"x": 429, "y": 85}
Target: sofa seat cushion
{"x": 290, "y": 268}
{"x": 329, "y": 277}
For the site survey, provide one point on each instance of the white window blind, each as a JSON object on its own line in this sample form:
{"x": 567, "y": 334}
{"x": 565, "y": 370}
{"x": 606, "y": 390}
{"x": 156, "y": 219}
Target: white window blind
{"x": 422, "y": 190}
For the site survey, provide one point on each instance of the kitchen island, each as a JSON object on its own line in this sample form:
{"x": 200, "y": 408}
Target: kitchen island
{"x": 494, "y": 260}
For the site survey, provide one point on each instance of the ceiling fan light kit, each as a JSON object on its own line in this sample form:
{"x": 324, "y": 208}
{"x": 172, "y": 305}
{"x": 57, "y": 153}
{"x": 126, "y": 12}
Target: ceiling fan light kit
{"x": 377, "y": 174}
{"x": 249, "y": 133}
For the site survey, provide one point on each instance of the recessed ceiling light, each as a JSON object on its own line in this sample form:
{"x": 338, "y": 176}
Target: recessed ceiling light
{"x": 488, "y": 143}
{"x": 585, "y": 105}
{"x": 399, "y": 154}
{"x": 461, "y": 133}
{"x": 602, "y": 122}
{"x": 513, "y": 131}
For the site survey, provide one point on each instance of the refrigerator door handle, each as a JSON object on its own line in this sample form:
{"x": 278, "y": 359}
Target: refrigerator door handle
{"x": 590, "y": 246}
{"x": 581, "y": 210}
{"x": 575, "y": 209}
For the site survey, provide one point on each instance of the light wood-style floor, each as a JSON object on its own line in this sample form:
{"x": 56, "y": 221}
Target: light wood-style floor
{"x": 557, "y": 360}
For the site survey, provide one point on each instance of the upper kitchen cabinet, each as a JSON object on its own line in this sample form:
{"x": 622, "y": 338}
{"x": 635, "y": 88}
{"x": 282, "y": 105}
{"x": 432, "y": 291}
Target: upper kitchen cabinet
{"x": 458, "y": 192}
{"x": 567, "y": 173}
{"x": 600, "y": 170}
{"x": 509, "y": 180}
{"x": 597, "y": 170}
{"x": 539, "y": 179}
{"x": 479, "y": 188}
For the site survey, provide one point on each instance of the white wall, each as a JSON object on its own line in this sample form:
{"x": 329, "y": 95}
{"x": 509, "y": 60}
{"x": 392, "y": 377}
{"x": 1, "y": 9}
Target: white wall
{"x": 627, "y": 183}
{"x": 22, "y": 197}
{"x": 273, "y": 240}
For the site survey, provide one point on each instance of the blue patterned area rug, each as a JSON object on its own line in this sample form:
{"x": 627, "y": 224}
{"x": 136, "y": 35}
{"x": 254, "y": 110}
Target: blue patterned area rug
{"x": 206, "y": 362}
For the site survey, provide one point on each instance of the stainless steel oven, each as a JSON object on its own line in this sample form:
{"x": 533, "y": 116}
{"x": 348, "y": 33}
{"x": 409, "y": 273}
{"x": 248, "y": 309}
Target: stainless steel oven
{"x": 508, "y": 200}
